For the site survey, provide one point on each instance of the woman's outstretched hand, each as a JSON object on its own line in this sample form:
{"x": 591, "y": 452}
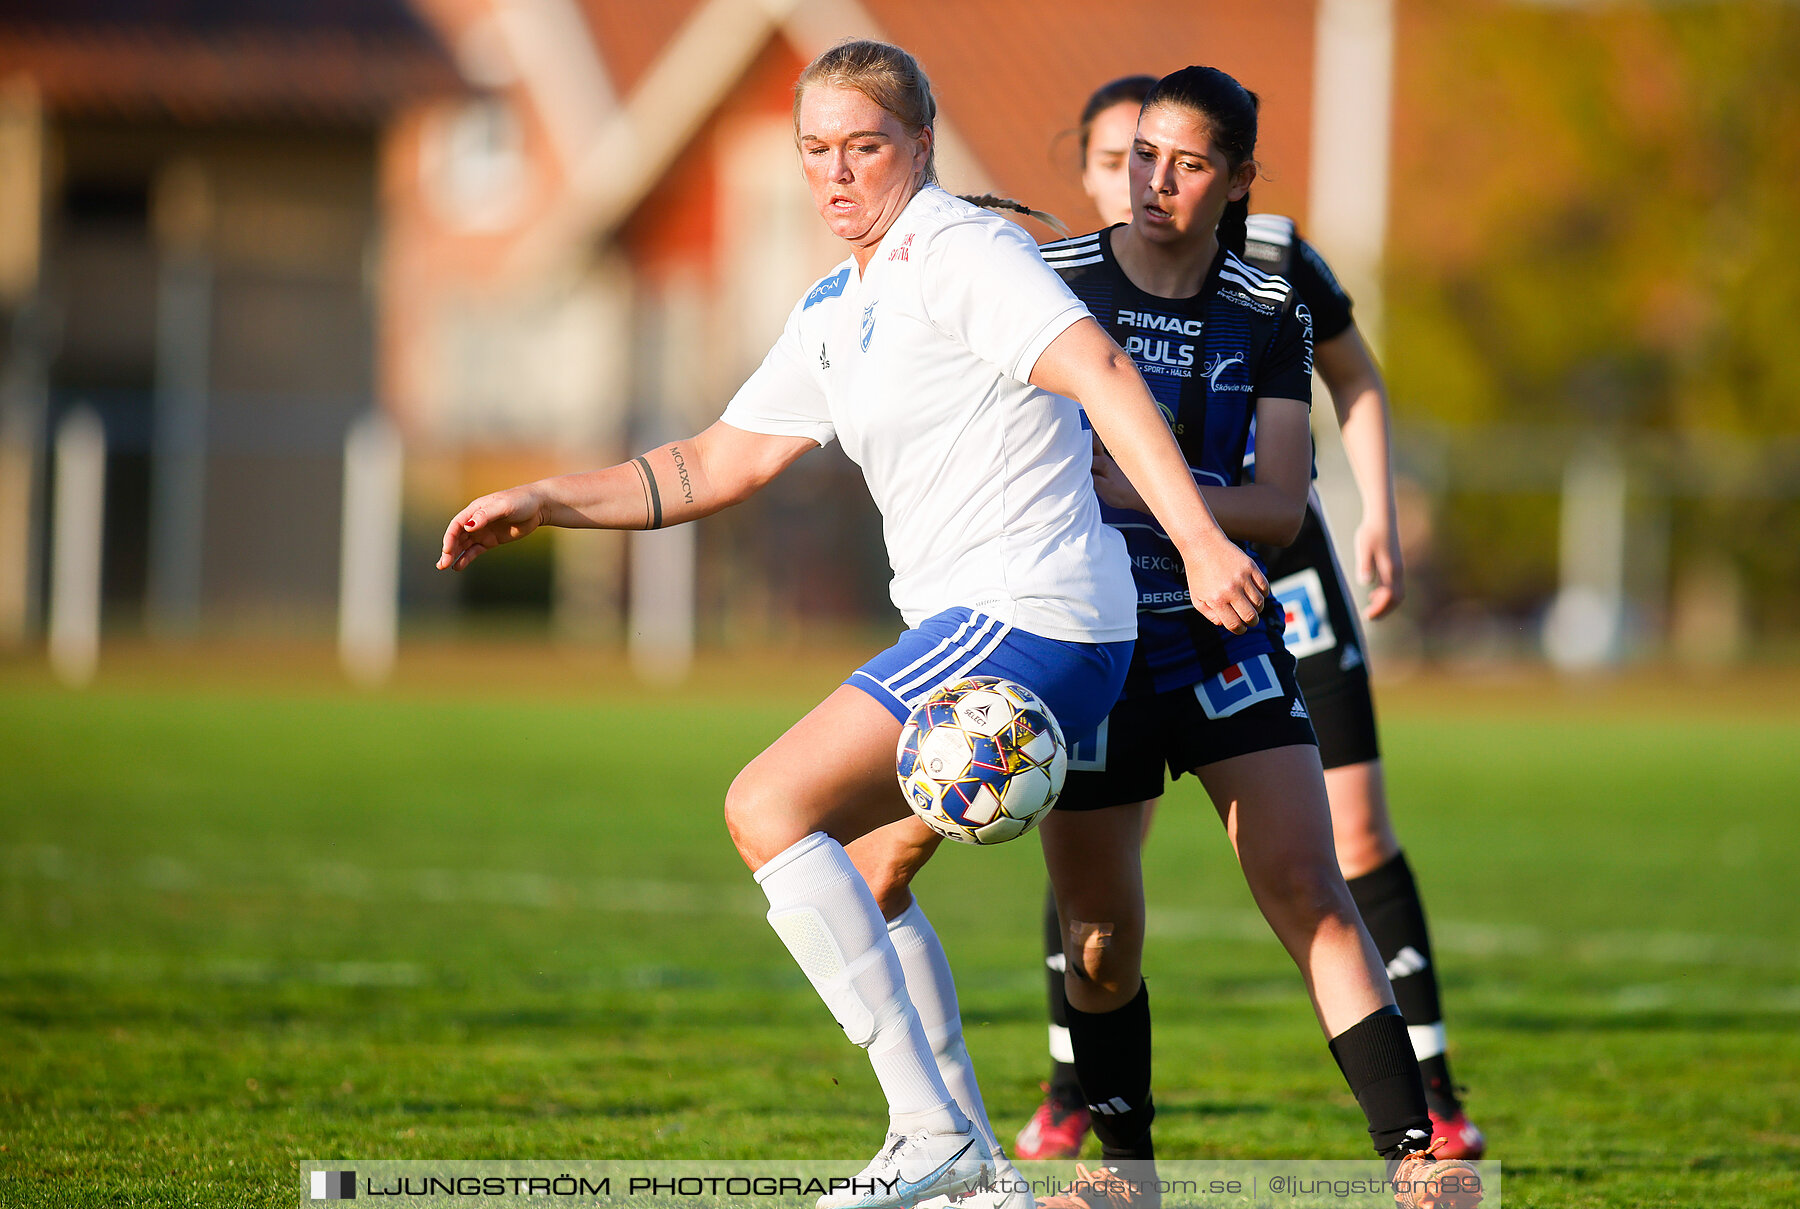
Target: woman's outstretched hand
{"x": 492, "y": 520}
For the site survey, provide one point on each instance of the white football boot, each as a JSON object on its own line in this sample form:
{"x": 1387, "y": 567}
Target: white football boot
{"x": 915, "y": 1167}
{"x": 1009, "y": 1190}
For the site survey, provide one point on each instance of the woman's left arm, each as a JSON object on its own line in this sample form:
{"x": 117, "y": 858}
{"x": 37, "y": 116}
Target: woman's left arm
{"x": 1269, "y": 509}
{"x": 1085, "y": 364}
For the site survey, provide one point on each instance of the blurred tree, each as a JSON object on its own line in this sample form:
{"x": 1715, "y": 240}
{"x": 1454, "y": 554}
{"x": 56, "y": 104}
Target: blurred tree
{"x": 1599, "y": 219}
{"x": 1598, "y": 226}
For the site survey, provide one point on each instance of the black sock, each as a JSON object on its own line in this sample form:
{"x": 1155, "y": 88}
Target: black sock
{"x": 1388, "y": 899}
{"x": 1376, "y": 1057}
{"x": 1065, "y": 1084}
{"x": 1440, "y": 1093}
{"x": 1112, "y": 1054}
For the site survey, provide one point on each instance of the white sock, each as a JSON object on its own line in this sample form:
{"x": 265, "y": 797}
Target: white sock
{"x": 1428, "y": 1040}
{"x": 933, "y": 992}
{"x": 823, "y": 911}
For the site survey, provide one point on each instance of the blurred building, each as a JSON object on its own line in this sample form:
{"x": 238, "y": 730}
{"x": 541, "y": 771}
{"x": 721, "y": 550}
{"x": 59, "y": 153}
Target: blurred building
{"x": 593, "y": 255}
{"x": 191, "y": 223}
{"x": 537, "y": 234}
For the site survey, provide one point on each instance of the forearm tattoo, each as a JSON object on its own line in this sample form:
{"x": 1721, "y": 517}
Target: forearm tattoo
{"x": 687, "y": 487}
{"x": 652, "y": 500}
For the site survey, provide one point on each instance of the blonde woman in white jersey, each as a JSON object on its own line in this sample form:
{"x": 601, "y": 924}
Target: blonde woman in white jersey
{"x": 948, "y": 360}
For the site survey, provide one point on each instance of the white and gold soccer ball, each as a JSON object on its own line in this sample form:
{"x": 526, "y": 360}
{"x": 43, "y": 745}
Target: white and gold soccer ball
{"x": 982, "y": 760}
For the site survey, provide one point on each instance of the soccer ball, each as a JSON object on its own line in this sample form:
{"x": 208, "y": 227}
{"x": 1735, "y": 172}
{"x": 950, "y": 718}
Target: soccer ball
{"x": 982, "y": 760}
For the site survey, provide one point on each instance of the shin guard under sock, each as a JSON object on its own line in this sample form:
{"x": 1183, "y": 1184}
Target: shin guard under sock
{"x": 1112, "y": 1057}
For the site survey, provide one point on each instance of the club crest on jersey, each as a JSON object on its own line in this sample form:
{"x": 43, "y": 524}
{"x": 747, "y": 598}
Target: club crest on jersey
{"x": 831, "y": 287}
{"x": 868, "y": 325}
{"x": 1221, "y": 366}
{"x": 1302, "y": 599}
{"x": 1239, "y": 687}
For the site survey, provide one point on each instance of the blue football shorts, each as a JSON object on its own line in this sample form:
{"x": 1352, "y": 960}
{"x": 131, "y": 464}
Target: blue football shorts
{"x": 1079, "y": 681}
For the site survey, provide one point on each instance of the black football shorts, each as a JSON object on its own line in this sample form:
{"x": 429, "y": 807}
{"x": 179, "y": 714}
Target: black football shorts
{"x": 1252, "y": 706}
{"x": 1325, "y": 636}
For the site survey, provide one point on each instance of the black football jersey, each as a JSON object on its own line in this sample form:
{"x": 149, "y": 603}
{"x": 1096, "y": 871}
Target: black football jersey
{"x": 1273, "y": 244}
{"x": 1207, "y": 360}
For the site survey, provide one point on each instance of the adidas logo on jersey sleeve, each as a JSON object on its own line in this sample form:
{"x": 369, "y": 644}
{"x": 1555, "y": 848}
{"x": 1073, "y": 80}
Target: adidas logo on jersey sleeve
{"x": 1251, "y": 287}
{"x": 1072, "y": 253}
{"x": 1275, "y": 229}
{"x": 1269, "y": 241}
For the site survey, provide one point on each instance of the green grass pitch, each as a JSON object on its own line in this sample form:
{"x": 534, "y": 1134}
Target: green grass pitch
{"x": 243, "y": 923}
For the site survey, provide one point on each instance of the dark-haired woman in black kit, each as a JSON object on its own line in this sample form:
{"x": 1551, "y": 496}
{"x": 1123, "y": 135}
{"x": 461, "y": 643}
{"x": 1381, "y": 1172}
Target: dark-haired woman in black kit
{"x": 1323, "y": 634}
{"x": 1224, "y": 348}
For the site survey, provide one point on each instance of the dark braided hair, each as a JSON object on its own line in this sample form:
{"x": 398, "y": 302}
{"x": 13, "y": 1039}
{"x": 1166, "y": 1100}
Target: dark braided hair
{"x": 989, "y": 201}
{"x": 1226, "y": 106}
{"x": 1234, "y": 225}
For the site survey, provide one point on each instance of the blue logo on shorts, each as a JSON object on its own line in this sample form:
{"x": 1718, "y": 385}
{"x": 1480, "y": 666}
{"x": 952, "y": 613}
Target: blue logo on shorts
{"x": 1239, "y": 687}
{"x": 1308, "y": 623}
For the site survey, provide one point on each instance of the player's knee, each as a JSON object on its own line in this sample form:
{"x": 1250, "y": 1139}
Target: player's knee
{"x": 737, "y": 810}
{"x": 888, "y": 859}
{"x": 891, "y": 884}
{"x": 1095, "y": 955}
{"x": 751, "y": 813}
{"x": 1311, "y": 892}
{"x": 1360, "y": 852}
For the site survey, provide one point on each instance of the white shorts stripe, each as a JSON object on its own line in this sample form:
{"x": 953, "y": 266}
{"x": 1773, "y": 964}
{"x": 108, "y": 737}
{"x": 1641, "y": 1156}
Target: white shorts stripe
{"x": 975, "y": 619}
{"x": 964, "y": 657}
{"x": 908, "y": 684}
{"x": 979, "y": 657}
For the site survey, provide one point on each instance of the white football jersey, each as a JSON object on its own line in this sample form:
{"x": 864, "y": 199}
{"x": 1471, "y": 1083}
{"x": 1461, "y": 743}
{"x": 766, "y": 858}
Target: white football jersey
{"x": 919, "y": 366}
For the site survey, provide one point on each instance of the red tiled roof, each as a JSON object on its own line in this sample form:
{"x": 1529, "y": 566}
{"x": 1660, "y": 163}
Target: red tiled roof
{"x": 1011, "y": 74}
{"x": 310, "y": 75}
{"x": 631, "y": 35}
